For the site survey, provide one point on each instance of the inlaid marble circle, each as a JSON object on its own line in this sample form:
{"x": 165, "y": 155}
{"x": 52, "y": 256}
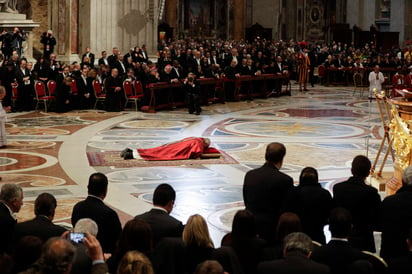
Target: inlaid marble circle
{"x": 36, "y": 131}
{"x": 160, "y": 173}
{"x": 154, "y": 124}
{"x": 26, "y": 161}
{"x": 295, "y": 129}
{"x": 31, "y": 180}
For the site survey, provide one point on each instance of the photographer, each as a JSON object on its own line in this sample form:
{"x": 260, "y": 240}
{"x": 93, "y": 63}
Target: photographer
{"x": 192, "y": 89}
{"x": 48, "y": 40}
{"x": 17, "y": 39}
{"x": 6, "y": 49}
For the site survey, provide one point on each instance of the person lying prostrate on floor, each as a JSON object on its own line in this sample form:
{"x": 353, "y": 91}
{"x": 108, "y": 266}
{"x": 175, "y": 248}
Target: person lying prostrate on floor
{"x": 188, "y": 148}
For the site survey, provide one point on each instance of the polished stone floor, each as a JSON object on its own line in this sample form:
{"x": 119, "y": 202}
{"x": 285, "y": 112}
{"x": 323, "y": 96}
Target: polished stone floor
{"x": 324, "y": 128}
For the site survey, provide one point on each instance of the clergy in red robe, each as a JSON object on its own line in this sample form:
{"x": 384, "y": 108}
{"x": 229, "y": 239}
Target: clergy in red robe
{"x": 188, "y": 148}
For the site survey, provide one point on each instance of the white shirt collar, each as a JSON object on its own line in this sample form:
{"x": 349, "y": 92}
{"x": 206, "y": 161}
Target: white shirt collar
{"x": 160, "y": 208}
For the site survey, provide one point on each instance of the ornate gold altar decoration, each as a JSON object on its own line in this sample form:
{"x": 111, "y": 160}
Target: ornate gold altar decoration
{"x": 402, "y": 141}
{"x": 386, "y": 117}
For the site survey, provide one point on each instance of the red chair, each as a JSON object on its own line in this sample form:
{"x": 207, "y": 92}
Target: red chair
{"x": 14, "y": 93}
{"x": 74, "y": 89}
{"x": 41, "y": 95}
{"x": 128, "y": 93}
{"x": 138, "y": 89}
{"x": 51, "y": 87}
{"x": 98, "y": 92}
{"x": 321, "y": 73}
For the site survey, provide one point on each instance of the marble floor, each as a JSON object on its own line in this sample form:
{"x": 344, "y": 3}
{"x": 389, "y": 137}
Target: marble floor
{"x": 324, "y": 128}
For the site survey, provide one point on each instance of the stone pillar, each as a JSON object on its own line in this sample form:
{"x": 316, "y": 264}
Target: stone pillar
{"x": 64, "y": 24}
{"x": 113, "y": 23}
{"x": 171, "y": 15}
{"x": 238, "y": 19}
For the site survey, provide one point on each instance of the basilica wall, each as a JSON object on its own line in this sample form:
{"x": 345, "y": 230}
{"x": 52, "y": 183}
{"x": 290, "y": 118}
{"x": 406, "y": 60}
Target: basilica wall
{"x": 99, "y": 24}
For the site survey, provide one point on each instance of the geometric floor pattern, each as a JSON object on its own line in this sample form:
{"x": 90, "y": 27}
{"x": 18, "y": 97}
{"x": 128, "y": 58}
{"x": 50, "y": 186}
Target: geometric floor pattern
{"x": 323, "y": 128}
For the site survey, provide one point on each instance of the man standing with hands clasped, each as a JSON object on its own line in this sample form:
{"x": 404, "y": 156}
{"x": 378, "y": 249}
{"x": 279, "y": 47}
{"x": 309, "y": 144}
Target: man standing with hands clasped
{"x": 376, "y": 80}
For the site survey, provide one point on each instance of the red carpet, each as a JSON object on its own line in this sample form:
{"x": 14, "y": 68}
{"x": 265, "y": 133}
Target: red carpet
{"x": 112, "y": 158}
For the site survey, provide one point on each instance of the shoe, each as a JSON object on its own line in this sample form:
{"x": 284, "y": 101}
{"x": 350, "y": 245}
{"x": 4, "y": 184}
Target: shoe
{"x": 4, "y": 146}
{"x": 124, "y": 151}
{"x": 128, "y": 155}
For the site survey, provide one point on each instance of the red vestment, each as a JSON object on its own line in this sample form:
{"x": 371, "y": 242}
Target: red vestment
{"x": 188, "y": 148}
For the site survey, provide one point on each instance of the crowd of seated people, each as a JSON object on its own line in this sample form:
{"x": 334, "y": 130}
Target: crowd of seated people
{"x": 156, "y": 242}
{"x": 205, "y": 58}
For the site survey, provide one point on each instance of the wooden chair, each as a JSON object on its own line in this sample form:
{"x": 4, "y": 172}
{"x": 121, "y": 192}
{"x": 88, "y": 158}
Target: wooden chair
{"x": 128, "y": 93}
{"x": 98, "y": 92}
{"x": 379, "y": 265}
{"x": 51, "y": 87}
{"x": 358, "y": 84}
{"x": 41, "y": 95}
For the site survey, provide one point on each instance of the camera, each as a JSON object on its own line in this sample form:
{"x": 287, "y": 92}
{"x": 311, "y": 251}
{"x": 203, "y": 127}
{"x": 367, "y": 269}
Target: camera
{"x": 77, "y": 237}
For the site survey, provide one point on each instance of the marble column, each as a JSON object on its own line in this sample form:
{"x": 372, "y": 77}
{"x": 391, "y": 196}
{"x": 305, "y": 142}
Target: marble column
{"x": 63, "y": 16}
{"x": 171, "y": 15}
{"x": 102, "y": 25}
{"x": 238, "y": 19}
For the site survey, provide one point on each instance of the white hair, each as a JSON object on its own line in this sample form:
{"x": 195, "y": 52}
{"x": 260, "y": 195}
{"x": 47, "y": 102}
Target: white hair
{"x": 86, "y": 225}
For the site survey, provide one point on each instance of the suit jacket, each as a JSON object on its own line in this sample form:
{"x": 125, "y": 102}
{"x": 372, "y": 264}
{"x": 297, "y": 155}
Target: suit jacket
{"x": 363, "y": 202}
{"x": 83, "y": 87}
{"x": 40, "y": 227}
{"x": 91, "y": 57}
{"x": 294, "y": 263}
{"x": 396, "y": 219}
{"x": 101, "y": 62}
{"x": 312, "y": 204}
{"x": 338, "y": 255}
{"x": 264, "y": 192}
{"x": 162, "y": 224}
{"x": 401, "y": 265}
{"x": 106, "y": 218}
{"x": 7, "y": 223}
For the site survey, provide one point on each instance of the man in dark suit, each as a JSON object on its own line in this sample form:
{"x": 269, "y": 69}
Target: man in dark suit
{"x": 297, "y": 249}
{"x": 41, "y": 226}
{"x": 25, "y": 88}
{"x": 338, "y": 254}
{"x": 362, "y": 201}
{"x": 402, "y": 264}
{"x": 103, "y": 60}
{"x": 113, "y": 58}
{"x": 89, "y": 54}
{"x": 265, "y": 189}
{"x": 94, "y": 208}
{"x": 396, "y": 219}
{"x": 85, "y": 88}
{"x": 162, "y": 224}
{"x": 11, "y": 197}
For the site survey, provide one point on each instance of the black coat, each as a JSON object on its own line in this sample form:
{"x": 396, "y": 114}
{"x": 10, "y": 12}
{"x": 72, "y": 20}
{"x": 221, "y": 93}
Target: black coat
{"x": 162, "y": 224}
{"x": 106, "y": 218}
{"x": 40, "y": 227}
{"x": 7, "y": 224}
{"x": 363, "y": 202}
{"x": 396, "y": 219}
{"x": 312, "y": 204}
{"x": 338, "y": 255}
{"x": 264, "y": 193}
{"x": 294, "y": 263}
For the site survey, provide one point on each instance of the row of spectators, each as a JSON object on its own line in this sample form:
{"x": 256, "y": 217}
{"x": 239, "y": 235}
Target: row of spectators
{"x": 274, "y": 234}
{"x": 204, "y": 58}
